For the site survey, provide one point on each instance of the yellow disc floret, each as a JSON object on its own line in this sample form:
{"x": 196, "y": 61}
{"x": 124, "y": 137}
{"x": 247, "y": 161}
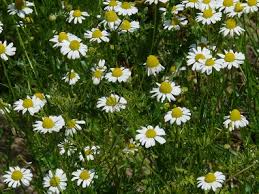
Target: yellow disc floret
{"x": 152, "y": 61}
{"x": 62, "y": 36}
{"x": 54, "y": 181}
{"x": 27, "y": 103}
{"x": 111, "y": 101}
{"x": 84, "y": 175}
{"x": 165, "y": 88}
{"x": 71, "y": 124}
{"x": 74, "y": 45}
{"x": 117, "y": 72}
{"x": 77, "y": 13}
{"x": 126, "y": 5}
{"x": 111, "y": 16}
{"x": 230, "y": 57}
{"x": 210, "y": 178}
{"x": 98, "y": 73}
{"x": 47, "y": 123}
{"x": 177, "y": 112}
{"x": 207, "y": 13}
{"x": 235, "y": 115}
{"x": 150, "y": 133}
{"x": 231, "y": 23}
{"x": 228, "y": 3}
{"x": 209, "y": 62}
{"x": 2, "y": 48}
{"x": 97, "y": 33}
{"x": 252, "y": 2}
{"x": 125, "y": 25}
{"x": 199, "y": 56}
{"x": 17, "y": 175}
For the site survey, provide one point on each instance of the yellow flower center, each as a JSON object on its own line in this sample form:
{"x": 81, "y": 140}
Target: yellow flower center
{"x": 17, "y": 175}
{"x": 175, "y": 21}
{"x": 74, "y": 45}
{"x": 84, "y": 175}
{"x": 235, "y": 115}
{"x": 228, "y": 3}
{"x": 27, "y": 103}
{"x": 231, "y": 23}
{"x": 88, "y": 152}
{"x": 207, "y": 13}
{"x": 2, "y": 48}
{"x": 210, "y": 178}
{"x": 193, "y": 1}
{"x": 54, "y": 181}
{"x": 97, "y": 34}
{"x": 199, "y": 56}
{"x": 206, "y": 1}
{"x": 113, "y": 3}
{"x": 177, "y": 112}
{"x": 111, "y": 101}
{"x": 47, "y": 123}
{"x": 230, "y": 57}
{"x": 117, "y": 72}
{"x": 238, "y": 7}
{"x": 77, "y": 13}
{"x": 111, "y": 16}
{"x": 152, "y": 61}
{"x": 19, "y": 4}
{"x": 131, "y": 146}
{"x": 28, "y": 19}
{"x": 62, "y": 36}
{"x": 98, "y": 73}
{"x": 150, "y": 133}
{"x": 251, "y": 2}
{"x": 126, "y": 5}
{"x": 165, "y": 88}
{"x": 39, "y": 95}
{"x": 71, "y": 123}
{"x": 125, "y": 25}
{"x": 209, "y": 62}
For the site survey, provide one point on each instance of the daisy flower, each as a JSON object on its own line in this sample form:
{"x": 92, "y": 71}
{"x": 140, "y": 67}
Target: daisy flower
{"x": 191, "y": 3}
{"x": 174, "y": 9}
{"x": 61, "y": 37}
{"x": 111, "y": 4}
{"x": 227, "y": 5}
{"x": 113, "y": 103}
{"x": 42, "y": 98}
{"x": 71, "y": 77}
{"x": 235, "y": 120}
{"x": 178, "y": 115}
{"x": 206, "y": 66}
{"x": 131, "y": 147}
{"x": 83, "y": 176}
{"x": 6, "y": 50}
{"x": 126, "y": 8}
{"x": 166, "y": 90}
{"x": 237, "y": 10}
{"x": 73, "y": 48}
{"x": 77, "y": 16}
{"x": 89, "y": 153}
{"x": 231, "y": 59}
{"x": 251, "y": 6}
{"x": 153, "y": 65}
{"x": 111, "y": 20}
{"x": 30, "y": 104}
{"x": 72, "y": 126}
{"x": 1, "y": 27}
{"x": 127, "y": 26}
{"x": 17, "y": 176}
{"x": 98, "y": 72}
{"x": 211, "y": 181}
{"x": 20, "y": 8}
{"x": 205, "y": 4}
{"x": 120, "y": 74}
{"x": 96, "y": 35}
{"x": 55, "y": 182}
{"x": 231, "y": 28}
{"x": 49, "y": 124}
{"x": 155, "y": 1}
{"x": 66, "y": 147}
{"x": 195, "y": 55}
{"x": 149, "y": 135}
{"x": 209, "y": 16}
{"x": 175, "y": 23}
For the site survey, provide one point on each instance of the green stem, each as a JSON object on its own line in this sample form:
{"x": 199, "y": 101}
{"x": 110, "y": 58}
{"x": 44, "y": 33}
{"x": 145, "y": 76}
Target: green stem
{"x": 8, "y": 80}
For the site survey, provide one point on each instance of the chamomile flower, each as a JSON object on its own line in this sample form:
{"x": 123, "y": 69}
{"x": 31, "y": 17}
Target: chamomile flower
{"x": 29, "y": 104}
{"x": 205, "y": 4}
{"x": 72, "y": 126}
{"x": 237, "y": 10}
{"x": 97, "y": 35}
{"x": 231, "y": 28}
{"x": 6, "y": 50}
{"x": 166, "y": 90}
{"x": 73, "y": 48}
{"x": 251, "y": 6}
{"x": 17, "y": 176}
{"x": 207, "y": 66}
{"x": 77, "y": 16}
{"x": 84, "y": 177}
{"x": 20, "y": 8}
{"x": 235, "y": 120}
{"x": 42, "y": 98}
{"x": 211, "y": 181}
{"x": 149, "y": 135}
{"x": 174, "y": 9}
{"x": 61, "y": 37}
{"x": 55, "y": 181}
{"x": 71, "y": 77}
{"x": 112, "y": 103}
{"x": 111, "y": 5}
{"x": 126, "y": 8}
{"x": 195, "y": 55}
{"x": 227, "y": 5}
{"x": 111, "y": 20}
{"x": 127, "y": 26}
{"x": 89, "y": 152}
{"x": 131, "y": 147}
{"x": 49, "y": 124}
{"x": 118, "y": 74}
{"x": 98, "y": 72}
{"x": 191, "y": 3}
{"x": 153, "y": 65}
{"x": 66, "y": 147}
{"x": 231, "y": 59}
{"x": 178, "y": 115}
{"x": 209, "y": 16}
{"x": 155, "y": 1}
{"x": 175, "y": 23}
{"x": 1, "y": 27}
